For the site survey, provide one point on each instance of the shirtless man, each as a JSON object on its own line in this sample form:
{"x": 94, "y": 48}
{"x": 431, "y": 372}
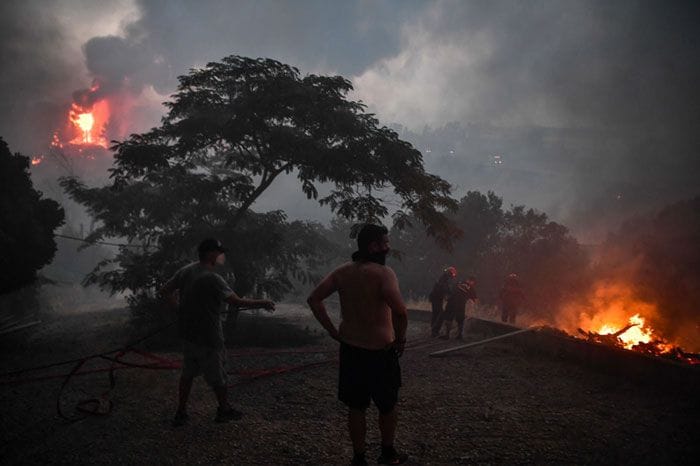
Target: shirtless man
{"x": 372, "y": 336}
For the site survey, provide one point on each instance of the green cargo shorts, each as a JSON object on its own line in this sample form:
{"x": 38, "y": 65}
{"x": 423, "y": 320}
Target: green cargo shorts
{"x": 205, "y": 361}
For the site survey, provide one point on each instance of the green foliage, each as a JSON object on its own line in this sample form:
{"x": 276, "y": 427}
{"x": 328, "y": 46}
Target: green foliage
{"x": 232, "y": 128}
{"x": 27, "y": 223}
{"x": 494, "y": 244}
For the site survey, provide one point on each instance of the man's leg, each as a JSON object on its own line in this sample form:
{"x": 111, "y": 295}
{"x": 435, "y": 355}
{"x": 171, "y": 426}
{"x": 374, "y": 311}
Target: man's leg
{"x": 221, "y": 393}
{"x": 357, "y": 425}
{"x": 190, "y": 369}
{"x": 387, "y": 427}
{"x": 460, "y": 327}
{"x": 436, "y": 319}
{"x": 184, "y": 389}
{"x": 448, "y": 328}
{"x": 215, "y": 374}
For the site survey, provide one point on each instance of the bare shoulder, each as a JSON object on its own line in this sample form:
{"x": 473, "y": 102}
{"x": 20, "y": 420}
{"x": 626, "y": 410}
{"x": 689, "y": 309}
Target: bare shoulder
{"x": 345, "y": 265}
{"x": 389, "y": 273}
{"x": 343, "y": 268}
{"x": 384, "y": 271}
{"x": 340, "y": 271}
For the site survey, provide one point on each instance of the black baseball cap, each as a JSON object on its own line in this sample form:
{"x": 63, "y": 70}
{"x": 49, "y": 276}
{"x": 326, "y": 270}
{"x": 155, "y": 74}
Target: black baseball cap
{"x": 209, "y": 245}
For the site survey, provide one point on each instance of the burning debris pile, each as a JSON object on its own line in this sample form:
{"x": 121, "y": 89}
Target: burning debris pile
{"x": 637, "y": 336}
{"x": 613, "y": 314}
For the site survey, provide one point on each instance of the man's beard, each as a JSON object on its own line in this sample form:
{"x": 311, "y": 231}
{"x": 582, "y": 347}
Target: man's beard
{"x": 376, "y": 257}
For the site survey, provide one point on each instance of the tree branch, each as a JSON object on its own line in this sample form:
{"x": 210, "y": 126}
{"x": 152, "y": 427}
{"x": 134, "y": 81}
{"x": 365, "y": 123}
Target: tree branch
{"x": 265, "y": 182}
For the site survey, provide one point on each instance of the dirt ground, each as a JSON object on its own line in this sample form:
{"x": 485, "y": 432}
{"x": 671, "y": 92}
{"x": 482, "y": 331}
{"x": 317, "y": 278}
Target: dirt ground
{"x": 494, "y": 404}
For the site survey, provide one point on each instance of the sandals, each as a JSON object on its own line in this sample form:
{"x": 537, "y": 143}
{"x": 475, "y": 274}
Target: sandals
{"x": 391, "y": 456}
{"x": 180, "y": 419}
{"x": 227, "y": 414}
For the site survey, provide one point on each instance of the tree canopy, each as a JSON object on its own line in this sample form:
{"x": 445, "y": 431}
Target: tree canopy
{"x": 27, "y": 223}
{"x": 231, "y": 129}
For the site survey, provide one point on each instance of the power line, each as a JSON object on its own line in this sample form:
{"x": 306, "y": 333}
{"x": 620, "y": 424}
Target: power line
{"x": 104, "y": 243}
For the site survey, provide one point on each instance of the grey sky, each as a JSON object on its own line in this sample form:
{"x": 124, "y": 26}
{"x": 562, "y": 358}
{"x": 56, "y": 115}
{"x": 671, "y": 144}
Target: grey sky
{"x": 593, "y": 105}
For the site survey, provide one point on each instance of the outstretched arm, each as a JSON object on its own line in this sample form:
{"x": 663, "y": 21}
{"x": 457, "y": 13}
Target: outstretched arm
{"x": 236, "y": 300}
{"x": 322, "y": 291}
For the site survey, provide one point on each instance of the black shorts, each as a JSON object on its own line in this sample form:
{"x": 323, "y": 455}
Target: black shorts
{"x": 368, "y": 374}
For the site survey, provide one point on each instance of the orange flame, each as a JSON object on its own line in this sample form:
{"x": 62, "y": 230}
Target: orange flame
{"x": 89, "y": 123}
{"x": 85, "y": 121}
{"x": 612, "y": 307}
{"x": 37, "y": 160}
{"x": 638, "y": 333}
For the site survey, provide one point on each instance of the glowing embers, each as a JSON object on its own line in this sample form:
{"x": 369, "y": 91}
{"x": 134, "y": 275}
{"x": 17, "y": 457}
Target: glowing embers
{"x": 88, "y": 124}
{"x": 615, "y": 316}
{"x": 56, "y": 141}
{"x": 632, "y": 334}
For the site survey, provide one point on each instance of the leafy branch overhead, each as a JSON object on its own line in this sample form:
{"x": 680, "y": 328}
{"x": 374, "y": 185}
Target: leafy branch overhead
{"x": 242, "y": 122}
{"x": 231, "y": 129}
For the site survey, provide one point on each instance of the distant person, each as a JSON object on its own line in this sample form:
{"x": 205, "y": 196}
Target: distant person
{"x": 372, "y": 335}
{"x": 512, "y": 297}
{"x": 455, "y": 308}
{"x": 203, "y": 298}
{"x": 441, "y": 289}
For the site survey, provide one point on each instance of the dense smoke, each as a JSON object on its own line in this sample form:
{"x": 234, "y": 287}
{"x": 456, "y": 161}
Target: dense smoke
{"x": 583, "y": 110}
{"x": 592, "y": 105}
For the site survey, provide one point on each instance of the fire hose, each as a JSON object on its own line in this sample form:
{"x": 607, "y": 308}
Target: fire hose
{"x": 102, "y": 404}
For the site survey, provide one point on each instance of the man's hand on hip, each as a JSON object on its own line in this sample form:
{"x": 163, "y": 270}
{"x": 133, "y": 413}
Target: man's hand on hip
{"x": 399, "y": 346}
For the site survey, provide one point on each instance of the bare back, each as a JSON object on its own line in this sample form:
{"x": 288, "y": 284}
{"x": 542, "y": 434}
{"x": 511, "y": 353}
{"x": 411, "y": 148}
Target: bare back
{"x": 364, "y": 303}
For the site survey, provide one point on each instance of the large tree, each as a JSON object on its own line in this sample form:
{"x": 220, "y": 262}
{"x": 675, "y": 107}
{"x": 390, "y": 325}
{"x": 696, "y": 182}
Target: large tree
{"x": 27, "y": 223}
{"x": 232, "y": 128}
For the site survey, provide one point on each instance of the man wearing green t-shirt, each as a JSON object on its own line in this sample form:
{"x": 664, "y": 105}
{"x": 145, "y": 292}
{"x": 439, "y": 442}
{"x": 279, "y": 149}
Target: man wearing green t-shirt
{"x": 203, "y": 297}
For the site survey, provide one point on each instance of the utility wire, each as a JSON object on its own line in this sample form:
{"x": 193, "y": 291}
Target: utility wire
{"x": 104, "y": 243}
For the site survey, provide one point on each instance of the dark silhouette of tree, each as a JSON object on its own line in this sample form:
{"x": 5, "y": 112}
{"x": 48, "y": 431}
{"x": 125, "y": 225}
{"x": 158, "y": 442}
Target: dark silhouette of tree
{"x": 478, "y": 216}
{"x": 496, "y": 242}
{"x": 27, "y": 223}
{"x": 551, "y": 264}
{"x": 232, "y": 128}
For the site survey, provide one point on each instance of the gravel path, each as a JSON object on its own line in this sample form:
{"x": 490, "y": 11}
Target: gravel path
{"x": 494, "y": 404}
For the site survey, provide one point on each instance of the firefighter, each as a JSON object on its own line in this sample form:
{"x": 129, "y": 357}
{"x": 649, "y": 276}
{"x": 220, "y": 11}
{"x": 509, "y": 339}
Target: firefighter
{"x": 441, "y": 289}
{"x": 463, "y": 292}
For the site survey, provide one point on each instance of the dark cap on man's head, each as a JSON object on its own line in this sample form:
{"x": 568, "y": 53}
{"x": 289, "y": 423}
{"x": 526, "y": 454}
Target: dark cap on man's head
{"x": 210, "y": 245}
